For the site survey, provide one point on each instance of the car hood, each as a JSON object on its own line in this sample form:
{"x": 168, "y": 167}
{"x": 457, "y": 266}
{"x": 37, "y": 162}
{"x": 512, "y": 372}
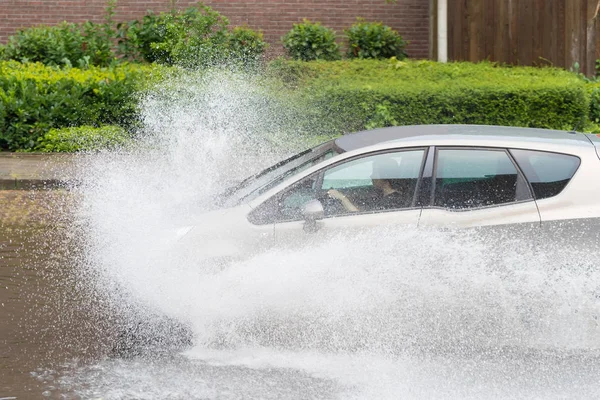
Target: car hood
{"x": 215, "y": 222}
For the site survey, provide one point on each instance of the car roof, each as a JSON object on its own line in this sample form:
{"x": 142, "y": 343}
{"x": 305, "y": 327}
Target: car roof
{"x": 462, "y": 134}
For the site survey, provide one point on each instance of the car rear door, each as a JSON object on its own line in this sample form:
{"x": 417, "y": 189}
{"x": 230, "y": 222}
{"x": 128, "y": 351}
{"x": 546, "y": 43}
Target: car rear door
{"x": 476, "y": 187}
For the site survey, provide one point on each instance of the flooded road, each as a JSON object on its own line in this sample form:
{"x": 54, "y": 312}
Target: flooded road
{"x": 28, "y": 306}
{"x": 56, "y": 339}
{"x": 38, "y": 311}
{"x": 58, "y": 343}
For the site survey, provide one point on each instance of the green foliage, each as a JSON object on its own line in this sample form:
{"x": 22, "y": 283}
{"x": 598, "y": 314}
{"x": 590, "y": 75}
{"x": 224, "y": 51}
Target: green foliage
{"x": 246, "y": 45}
{"x": 311, "y": 41}
{"x": 51, "y": 45}
{"x": 593, "y": 89}
{"x": 197, "y": 36}
{"x": 358, "y": 94}
{"x": 83, "y": 138}
{"x": 178, "y": 36}
{"x": 374, "y": 40}
{"x": 64, "y": 44}
{"x": 595, "y": 105}
{"x": 35, "y": 98}
{"x": 381, "y": 116}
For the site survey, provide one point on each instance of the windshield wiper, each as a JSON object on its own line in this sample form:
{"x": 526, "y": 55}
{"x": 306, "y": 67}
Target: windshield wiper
{"x": 228, "y": 192}
{"x": 271, "y": 168}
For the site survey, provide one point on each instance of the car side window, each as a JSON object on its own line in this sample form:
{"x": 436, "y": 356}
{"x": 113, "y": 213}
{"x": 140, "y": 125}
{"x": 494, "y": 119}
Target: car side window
{"x": 548, "y": 173}
{"x": 286, "y": 206}
{"x": 362, "y": 181}
{"x": 379, "y": 182}
{"x": 472, "y": 178}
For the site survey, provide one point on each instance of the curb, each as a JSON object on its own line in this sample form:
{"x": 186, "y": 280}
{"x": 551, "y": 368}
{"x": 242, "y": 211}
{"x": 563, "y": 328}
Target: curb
{"x": 36, "y": 171}
{"x": 32, "y": 184}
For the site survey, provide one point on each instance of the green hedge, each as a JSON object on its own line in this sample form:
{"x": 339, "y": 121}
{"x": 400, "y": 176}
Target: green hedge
{"x": 83, "y": 138}
{"x": 63, "y": 44}
{"x": 35, "y": 98}
{"x": 361, "y": 94}
{"x": 323, "y": 98}
{"x": 195, "y": 37}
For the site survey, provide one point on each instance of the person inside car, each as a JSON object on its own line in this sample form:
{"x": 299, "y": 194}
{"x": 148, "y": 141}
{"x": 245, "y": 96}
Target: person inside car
{"x": 386, "y": 196}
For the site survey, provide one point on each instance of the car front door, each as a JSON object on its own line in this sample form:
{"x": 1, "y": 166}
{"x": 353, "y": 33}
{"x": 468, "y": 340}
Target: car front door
{"x": 476, "y": 187}
{"x": 351, "y": 196}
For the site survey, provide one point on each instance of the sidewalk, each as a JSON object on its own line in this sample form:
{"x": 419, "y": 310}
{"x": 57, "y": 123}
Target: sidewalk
{"x": 35, "y": 171}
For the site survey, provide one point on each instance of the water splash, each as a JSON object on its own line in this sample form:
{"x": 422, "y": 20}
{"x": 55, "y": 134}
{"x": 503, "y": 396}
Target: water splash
{"x": 410, "y": 307}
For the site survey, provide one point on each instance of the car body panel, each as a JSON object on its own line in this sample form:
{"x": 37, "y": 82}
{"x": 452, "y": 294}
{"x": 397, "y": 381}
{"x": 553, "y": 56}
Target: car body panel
{"x": 226, "y": 234}
{"x": 298, "y": 234}
{"x": 595, "y": 139}
{"x": 475, "y": 135}
{"x": 524, "y": 212}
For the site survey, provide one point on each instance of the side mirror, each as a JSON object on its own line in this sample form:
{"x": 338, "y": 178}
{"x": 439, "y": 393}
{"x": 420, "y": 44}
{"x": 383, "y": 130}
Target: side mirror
{"x": 313, "y": 210}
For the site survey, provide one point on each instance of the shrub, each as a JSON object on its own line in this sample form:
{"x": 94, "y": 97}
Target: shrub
{"x": 61, "y": 45}
{"x": 176, "y": 37}
{"x": 83, "y": 138}
{"x": 35, "y": 98}
{"x": 353, "y": 95}
{"x": 197, "y": 36}
{"x": 593, "y": 89}
{"x": 246, "y": 45}
{"x": 374, "y": 40}
{"x": 310, "y": 41}
{"x": 50, "y": 45}
{"x": 66, "y": 44}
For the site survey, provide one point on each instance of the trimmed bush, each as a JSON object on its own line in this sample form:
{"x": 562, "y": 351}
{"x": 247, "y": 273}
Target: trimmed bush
{"x": 595, "y": 105}
{"x": 35, "y": 98}
{"x": 374, "y": 40}
{"x": 83, "y": 138}
{"x": 246, "y": 45}
{"x": 311, "y": 41}
{"x": 593, "y": 89}
{"x": 175, "y": 37}
{"x": 61, "y": 45}
{"x": 195, "y": 37}
{"x": 360, "y": 94}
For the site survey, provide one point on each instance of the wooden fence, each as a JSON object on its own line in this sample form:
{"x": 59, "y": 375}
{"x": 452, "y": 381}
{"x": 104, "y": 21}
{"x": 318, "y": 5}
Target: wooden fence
{"x": 522, "y": 32}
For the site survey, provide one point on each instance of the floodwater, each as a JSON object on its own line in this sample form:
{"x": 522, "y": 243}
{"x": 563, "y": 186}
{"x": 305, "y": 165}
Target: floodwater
{"x": 94, "y": 304}
{"x": 57, "y": 337}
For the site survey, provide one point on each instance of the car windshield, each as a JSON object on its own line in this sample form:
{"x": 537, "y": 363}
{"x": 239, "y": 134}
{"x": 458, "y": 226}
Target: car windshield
{"x": 259, "y": 183}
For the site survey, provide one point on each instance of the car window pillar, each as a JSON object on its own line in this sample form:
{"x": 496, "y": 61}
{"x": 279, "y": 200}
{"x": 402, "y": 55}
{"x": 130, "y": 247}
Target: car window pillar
{"x": 426, "y": 187}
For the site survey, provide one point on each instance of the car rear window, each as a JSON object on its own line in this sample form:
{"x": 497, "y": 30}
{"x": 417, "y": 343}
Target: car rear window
{"x": 548, "y": 173}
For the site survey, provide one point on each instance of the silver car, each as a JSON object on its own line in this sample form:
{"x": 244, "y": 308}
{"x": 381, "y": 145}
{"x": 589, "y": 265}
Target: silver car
{"x": 419, "y": 176}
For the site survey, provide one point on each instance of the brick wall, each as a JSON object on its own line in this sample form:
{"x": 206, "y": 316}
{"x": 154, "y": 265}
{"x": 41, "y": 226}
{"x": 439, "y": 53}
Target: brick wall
{"x": 274, "y": 17}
